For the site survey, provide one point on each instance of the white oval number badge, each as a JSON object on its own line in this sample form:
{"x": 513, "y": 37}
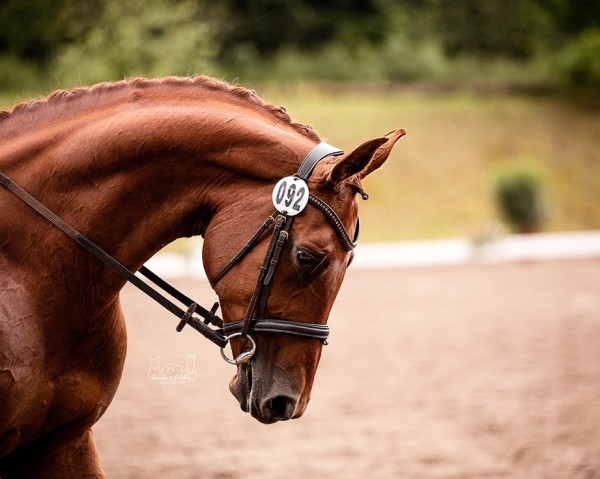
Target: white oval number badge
{"x": 290, "y": 195}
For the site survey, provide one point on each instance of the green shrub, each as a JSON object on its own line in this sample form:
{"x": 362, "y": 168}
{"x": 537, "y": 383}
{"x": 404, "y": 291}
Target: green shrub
{"x": 580, "y": 63}
{"x": 518, "y": 195}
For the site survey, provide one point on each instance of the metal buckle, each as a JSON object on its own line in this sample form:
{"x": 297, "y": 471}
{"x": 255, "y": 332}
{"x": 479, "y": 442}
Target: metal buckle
{"x": 245, "y": 356}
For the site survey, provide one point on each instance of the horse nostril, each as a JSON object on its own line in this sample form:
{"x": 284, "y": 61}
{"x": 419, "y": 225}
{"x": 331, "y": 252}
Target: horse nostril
{"x": 280, "y": 408}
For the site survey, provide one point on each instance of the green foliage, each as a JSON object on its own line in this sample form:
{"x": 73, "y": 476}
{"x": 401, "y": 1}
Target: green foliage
{"x": 31, "y": 29}
{"x": 138, "y": 37}
{"x": 501, "y": 42}
{"x": 508, "y": 28}
{"x": 272, "y": 25}
{"x": 572, "y": 16}
{"x": 18, "y": 72}
{"x": 580, "y": 63}
{"x": 518, "y": 194}
{"x": 393, "y": 61}
{"x": 399, "y": 57}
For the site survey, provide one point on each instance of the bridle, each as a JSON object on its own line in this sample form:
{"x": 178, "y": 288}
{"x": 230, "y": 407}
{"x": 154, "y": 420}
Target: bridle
{"x": 291, "y": 202}
{"x": 283, "y": 218}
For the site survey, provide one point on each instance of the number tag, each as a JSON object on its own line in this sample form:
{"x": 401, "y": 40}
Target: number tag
{"x": 290, "y": 195}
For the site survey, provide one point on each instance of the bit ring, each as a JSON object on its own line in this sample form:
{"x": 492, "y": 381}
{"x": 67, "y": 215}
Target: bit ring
{"x": 245, "y": 356}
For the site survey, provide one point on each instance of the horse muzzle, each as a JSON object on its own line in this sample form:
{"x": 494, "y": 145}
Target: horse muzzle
{"x": 279, "y": 398}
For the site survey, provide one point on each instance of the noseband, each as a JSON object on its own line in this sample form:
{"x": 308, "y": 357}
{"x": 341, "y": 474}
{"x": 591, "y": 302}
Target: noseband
{"x": 290, "y": 196}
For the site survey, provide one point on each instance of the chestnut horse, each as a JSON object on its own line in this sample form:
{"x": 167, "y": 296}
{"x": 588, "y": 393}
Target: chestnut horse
{"x": 134, "y": 165}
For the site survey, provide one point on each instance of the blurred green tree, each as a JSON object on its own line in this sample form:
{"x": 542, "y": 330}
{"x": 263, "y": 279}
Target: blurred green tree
{"x": 398, "y": 40}
{"x": 271, "y": 25}
{"x": 484, "y": 28}
{"x": 574, "y": 16}
{"x": 580, "y": 64}
{"x": 139, "y": 37}
{"x": 31, "y": 29}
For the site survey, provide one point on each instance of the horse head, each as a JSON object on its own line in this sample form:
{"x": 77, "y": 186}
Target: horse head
{"x": 275, "y": 384}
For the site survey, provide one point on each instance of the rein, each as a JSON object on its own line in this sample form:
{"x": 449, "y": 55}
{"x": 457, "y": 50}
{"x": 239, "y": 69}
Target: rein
{"x": 289, "y": 200}
{"x": 209, "y": 316}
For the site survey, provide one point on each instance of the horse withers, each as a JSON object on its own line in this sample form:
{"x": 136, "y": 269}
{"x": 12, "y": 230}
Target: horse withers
{"x": 130, "y": 167}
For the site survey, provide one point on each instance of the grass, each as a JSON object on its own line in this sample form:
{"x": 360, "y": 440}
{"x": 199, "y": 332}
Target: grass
{"x": 439, "y": 180}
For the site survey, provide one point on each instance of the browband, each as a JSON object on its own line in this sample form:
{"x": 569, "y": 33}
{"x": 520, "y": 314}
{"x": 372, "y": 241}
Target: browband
{"x": 336, "y": 222}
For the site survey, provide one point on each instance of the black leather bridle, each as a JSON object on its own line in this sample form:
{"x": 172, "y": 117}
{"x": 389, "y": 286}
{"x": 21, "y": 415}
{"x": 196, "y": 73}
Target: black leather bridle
{"x": 254, "y": 320}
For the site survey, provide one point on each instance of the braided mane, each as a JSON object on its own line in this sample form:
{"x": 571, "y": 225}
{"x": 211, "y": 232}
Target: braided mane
{"x": 62, "y": 97}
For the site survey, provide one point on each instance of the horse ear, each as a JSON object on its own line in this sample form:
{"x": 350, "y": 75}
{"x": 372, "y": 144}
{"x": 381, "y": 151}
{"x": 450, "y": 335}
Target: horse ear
{"x": 366, "y": 158}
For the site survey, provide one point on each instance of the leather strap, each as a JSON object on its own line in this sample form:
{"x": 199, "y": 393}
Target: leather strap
{"x": 336, "y": 222}
{"x": 259, "y": 290}
{"x": 214, "y": 336}
{"x": 283, "y": 326}
{"x": 209, "y": 316}
{"x": 322, "y": 150}
{"x": 242, "y": 252}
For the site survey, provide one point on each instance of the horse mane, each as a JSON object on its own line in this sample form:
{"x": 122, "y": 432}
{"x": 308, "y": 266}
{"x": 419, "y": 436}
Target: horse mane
{"x": 59, "y": 98}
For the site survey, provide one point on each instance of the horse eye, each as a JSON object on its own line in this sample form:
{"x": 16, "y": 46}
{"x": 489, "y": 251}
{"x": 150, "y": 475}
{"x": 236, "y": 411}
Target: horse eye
{"x": 309, "y": 261}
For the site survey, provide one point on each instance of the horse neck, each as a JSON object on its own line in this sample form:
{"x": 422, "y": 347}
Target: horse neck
{"x": 135, "y": 179}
